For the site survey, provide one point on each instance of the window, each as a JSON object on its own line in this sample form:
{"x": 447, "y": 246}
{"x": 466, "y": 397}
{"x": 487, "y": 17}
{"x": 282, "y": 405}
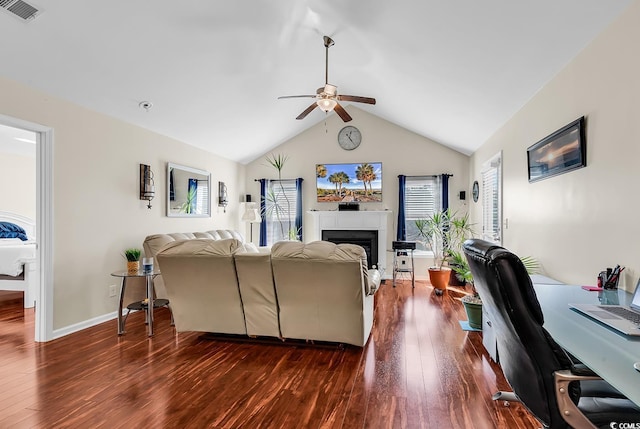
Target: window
{"x": 280, "y": 210}
{"x": 202, "y": 195}
{"x": 492, "y": 199}
{"x": 422, "y": 198}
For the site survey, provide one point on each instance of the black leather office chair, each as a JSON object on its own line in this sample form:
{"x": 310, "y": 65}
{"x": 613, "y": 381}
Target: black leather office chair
{"x": 543, "y": 377}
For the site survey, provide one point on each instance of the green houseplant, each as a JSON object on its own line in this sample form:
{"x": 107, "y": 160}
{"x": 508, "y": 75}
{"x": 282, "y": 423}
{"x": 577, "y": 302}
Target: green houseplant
{"x": 132, "y": 256}
{"x": 443, "y": 232}
{"x": 274, "y": 200}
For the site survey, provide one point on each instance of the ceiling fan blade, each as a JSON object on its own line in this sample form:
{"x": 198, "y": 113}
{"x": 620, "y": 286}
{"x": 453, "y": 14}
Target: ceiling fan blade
{"x": 307, "y": 111}
{"x": 357, "y": 99}
{"x": 342, "y": 113}
{"x": 296, "y": 96}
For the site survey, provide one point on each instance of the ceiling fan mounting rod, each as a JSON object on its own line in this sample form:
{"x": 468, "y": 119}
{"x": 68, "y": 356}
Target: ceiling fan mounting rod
{"x": 328, "y": 42}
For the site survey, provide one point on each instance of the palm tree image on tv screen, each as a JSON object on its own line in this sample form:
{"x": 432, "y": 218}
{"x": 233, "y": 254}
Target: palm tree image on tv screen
{"x": 348, "y": 183}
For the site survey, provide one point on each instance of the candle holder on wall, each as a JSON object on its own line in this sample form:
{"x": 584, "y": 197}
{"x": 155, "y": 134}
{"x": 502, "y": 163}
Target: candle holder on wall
{"x": 222, "y": 196}
{"x": 147, "y": 185}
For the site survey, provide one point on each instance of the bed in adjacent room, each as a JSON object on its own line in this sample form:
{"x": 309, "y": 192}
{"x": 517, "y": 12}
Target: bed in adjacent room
{"x": 18, "y": 260}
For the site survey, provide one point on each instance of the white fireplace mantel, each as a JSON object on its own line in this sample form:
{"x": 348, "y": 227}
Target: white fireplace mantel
{"x": 374, "y": 220}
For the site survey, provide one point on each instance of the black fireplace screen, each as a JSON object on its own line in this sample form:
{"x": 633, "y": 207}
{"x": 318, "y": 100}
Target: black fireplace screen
{"x": 365, "y": 238}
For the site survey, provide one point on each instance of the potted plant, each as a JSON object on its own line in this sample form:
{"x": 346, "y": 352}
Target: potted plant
{"x": 443, "y": 232}
{"x": 472, "y": 302}
{"x": 133, "y": 259}
{"x": 274, "y": 198}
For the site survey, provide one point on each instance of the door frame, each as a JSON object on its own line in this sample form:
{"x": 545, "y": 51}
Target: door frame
{"x": 44, "y": 223}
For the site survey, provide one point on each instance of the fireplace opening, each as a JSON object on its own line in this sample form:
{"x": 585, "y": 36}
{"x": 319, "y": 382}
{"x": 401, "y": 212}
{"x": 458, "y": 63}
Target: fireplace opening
{"x": 365, "y": 238}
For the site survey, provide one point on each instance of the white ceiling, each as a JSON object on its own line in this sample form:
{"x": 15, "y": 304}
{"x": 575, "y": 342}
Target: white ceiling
{"x": 453, "y": 71}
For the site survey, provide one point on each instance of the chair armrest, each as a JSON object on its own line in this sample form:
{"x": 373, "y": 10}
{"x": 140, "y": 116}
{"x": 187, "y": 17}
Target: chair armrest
{"x": 582, "y": 369}
{"x": 568, "y": 409}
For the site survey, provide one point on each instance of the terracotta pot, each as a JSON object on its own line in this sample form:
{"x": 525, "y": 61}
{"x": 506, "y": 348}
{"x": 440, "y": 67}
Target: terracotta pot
{"x": 439, "y": 278}
{"x": 133, "y": 266}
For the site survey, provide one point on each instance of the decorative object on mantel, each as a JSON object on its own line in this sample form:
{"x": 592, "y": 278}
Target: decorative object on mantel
{"x": 133, "y": 259}
{"x": 222, "y": 196}
{"x": 559, "y": 152}
{"x": 147, "y": 186}
{"x": 327, "y": 96}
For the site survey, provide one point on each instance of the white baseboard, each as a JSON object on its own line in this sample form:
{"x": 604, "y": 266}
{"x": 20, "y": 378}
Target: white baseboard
{"x": 57, "y": 333}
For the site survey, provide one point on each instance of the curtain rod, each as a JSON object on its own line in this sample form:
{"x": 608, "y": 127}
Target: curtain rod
{"x": 428, "y": 175}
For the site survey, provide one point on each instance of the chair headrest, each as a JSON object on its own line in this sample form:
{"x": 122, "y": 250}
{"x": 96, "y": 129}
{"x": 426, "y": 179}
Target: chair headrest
{"x": 496, "y": 259}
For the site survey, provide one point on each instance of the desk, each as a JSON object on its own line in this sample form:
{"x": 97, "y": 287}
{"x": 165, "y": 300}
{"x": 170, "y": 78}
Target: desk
{"x": 607, "y": 353}
{"x": 139, "y": 305}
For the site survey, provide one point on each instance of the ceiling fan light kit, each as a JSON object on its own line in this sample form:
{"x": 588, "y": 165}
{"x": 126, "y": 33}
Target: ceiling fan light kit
{"x": 327, "y": 96}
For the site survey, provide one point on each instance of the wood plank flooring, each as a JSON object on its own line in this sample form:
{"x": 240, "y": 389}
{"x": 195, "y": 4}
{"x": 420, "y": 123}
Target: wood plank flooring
{"x": 419, "y": 370}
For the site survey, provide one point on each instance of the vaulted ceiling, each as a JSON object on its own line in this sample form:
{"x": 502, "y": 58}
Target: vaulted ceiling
{"x": 453, "y": 71}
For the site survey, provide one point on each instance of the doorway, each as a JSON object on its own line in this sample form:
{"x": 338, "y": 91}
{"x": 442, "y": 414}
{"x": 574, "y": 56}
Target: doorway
{"x": 43, "y": 137}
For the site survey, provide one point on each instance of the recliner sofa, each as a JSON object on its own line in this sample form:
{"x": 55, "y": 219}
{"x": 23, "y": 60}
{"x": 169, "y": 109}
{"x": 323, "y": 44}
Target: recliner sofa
{"x": 318, "y": 291}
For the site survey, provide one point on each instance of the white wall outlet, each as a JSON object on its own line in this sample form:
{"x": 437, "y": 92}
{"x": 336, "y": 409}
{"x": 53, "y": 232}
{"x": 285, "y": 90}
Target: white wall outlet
{"x": 113, "y": 290}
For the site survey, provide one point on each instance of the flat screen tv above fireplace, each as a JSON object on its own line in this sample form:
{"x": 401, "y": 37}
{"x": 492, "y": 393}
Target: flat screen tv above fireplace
{"x": 361, "y": 182}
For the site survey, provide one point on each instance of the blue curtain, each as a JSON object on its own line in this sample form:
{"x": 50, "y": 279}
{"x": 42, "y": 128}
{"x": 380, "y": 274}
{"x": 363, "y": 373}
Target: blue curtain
{"x": 263, "y": 211}
{"x": 299, "y": 207}
{"x": 445, "y": 191}
{"x": 402, "y": 224}
{"x": 193, "y": 187}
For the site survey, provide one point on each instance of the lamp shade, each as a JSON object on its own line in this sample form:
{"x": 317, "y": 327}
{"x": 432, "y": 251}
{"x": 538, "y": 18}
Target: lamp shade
{"x": 251, "y": 213}
{"x": 326, "y": 104}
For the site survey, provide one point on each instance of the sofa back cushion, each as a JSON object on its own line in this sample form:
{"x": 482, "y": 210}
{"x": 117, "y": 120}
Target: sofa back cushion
{"x": 255, "y": 279}
{"x": 321, "y": 291}
{"x": 202, "y": 286}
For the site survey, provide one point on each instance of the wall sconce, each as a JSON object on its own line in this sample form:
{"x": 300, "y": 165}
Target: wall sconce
{"x": 222, "y": 196}
{"x": 147, "y": 186}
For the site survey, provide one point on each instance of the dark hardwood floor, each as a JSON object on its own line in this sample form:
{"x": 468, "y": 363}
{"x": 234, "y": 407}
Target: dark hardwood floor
{"x": 419, "y": 370}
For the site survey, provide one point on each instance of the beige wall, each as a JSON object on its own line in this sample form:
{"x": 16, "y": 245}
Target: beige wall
{"x": 18, "y": 184}
{"x": 579, "y": 223}
{"x": 97, "y": 212}
{"x": 399, "y": 150}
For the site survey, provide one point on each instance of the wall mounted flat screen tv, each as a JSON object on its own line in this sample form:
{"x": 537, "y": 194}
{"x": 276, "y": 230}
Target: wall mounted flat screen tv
{"x": 347, "y": 183}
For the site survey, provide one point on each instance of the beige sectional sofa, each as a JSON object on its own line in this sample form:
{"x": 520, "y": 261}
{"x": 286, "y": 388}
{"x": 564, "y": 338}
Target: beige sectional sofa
{"x": 317, "y": 291}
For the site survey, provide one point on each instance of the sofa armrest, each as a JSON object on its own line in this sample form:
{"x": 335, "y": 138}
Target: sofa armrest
{"x": 374, "y": 281}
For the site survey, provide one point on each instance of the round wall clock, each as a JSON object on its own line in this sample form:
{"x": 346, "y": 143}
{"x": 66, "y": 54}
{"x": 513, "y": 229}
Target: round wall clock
{"x": 475, "y": 191}
{"x": 349, "y": 138}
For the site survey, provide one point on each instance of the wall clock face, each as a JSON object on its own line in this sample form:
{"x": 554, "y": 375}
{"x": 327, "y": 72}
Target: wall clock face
{"x": 475, "y": 191}
{"x": 349, "y": 138}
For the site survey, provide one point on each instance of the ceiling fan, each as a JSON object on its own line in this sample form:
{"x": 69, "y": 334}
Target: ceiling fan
{"x": 327, "y": 97}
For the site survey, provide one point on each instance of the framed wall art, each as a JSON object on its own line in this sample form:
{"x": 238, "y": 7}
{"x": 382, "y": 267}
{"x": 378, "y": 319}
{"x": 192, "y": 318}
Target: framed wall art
{"x": 564, "y": 150}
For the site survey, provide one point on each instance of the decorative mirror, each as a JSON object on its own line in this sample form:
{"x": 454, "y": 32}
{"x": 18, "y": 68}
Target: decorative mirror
{"x": 188, "y": 191}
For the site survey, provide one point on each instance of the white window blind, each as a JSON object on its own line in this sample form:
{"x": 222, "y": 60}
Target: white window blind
{"x": 281, "y": 203}
{"x": 422, "y": 198}
{"x": 202, "y": 197}
{"x": 492, "y": 200}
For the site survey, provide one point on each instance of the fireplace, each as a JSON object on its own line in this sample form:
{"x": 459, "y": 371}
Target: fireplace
{"x": 365, "y": 238}
{"x": 344, "y": 222}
